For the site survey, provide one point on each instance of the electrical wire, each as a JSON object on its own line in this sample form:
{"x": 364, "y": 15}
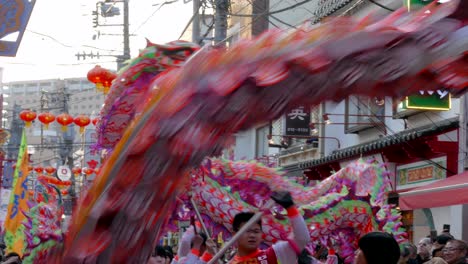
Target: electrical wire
{"x": 151, "y": 16}
{"x": 66, "y": 45}
{"x": 382, "y": 6}
{"x": 276, "y": 11}
{"x": 394, "y": 135}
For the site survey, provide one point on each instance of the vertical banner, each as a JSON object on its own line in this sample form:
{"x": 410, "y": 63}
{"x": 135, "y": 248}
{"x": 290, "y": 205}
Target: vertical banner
{"x": 14, "y": 237}
{"x": 297, "y": 122}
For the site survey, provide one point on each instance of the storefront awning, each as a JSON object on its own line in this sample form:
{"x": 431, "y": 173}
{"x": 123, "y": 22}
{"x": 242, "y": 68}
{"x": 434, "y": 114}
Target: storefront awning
{"x": 381, "y": 143}
{"x": 450, "y": 191}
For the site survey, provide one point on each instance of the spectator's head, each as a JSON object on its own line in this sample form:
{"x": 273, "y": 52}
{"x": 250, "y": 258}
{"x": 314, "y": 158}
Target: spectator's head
{"x": 413, "y": 251}
{"x": 12, "y": 258}
{"x": 304, "y": 258}
{"x": 405, "y": 253}
{"x": 169, "y": 252}
{"x": 377, "y": 248}
{"x": 424, "y": 248}
{"x": 454, "y": 251}
{"x": 252, "y": 238}
{"x": 159, "y": 255}
{"x": 439, "y": 244}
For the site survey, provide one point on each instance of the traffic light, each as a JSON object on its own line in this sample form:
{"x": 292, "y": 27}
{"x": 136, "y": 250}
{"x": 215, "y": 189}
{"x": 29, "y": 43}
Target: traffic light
{"x": 109, "y": 10}
{"x": 95, "y": 19}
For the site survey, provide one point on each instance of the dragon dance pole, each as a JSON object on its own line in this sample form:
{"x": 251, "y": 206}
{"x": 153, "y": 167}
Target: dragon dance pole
{"x": 239, "y": 233}
{"x": 199, "y": 217}
{"x": 201, "y": 220}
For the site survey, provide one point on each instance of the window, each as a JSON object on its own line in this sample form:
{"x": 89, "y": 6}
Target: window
{"x": 363, "y": 112}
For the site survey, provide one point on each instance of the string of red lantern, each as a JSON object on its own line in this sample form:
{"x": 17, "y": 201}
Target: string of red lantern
{"x": 51, "y": 170}
{"x": 63, "y": 119}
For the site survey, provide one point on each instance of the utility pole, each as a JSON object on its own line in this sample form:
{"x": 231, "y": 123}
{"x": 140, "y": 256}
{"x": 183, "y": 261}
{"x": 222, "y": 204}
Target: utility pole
{"x": 196, "y": 22}
{"x": 222, "y": 8}
{"x": 67, "y": 152}
{"x": 126, "y": 35}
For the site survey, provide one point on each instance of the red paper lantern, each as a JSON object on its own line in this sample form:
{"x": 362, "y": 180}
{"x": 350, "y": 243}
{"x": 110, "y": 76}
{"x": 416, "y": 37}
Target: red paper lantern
{"x": 64, "y": 192}
{"x": 88, "y": 171}
{"x": 109, "y": 78}
{"x": 102, "y": 78}
{"x": 28, "y": 116}
{"x": 39, "y": 169}
{"x": 82, "y": 121}
{"x": 50, "y": 169}
{"x": 76, "y": 171}
{"x": 65, "y": 120}
{"x": 46, "y": 118}
{"x": 95, "y": 121}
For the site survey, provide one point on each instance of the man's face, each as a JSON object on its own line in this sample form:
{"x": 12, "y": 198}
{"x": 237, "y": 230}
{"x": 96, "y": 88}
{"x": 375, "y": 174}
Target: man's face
{"x": 252, "y": 238}
{"x": 453, "y": 252}
{"x": 424, "y": 247}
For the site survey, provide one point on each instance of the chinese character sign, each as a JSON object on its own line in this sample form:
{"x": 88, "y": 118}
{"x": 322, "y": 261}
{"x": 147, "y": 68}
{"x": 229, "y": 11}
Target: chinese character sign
{"x": 297, "y": 122}
{"x": 14, "y": 237}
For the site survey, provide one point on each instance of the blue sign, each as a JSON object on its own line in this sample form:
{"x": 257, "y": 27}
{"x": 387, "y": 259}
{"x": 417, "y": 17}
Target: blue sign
{"x": 14, "y": 16}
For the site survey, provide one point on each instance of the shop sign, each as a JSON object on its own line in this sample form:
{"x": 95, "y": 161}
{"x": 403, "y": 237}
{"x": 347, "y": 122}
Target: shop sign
{"x": 429, "y": 100}
{"x": 420, "y": 173}
{"x": 297, "y": 122}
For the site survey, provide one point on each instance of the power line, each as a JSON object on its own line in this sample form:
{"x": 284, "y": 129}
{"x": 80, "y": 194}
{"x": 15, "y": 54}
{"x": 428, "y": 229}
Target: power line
{"x": 276, "y": 11}
{"x": 155, "y": 11}
{"x": 384, "y": 126}
{"x": 382, "y": 6}
{"x": 66, "y": 45}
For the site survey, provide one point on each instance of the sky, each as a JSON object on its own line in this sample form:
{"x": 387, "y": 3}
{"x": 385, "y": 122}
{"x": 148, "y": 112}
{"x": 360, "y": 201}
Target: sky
{"x": 58, "y": 29}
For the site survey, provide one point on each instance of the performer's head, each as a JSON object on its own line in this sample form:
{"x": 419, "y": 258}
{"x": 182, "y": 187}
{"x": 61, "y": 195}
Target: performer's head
{"x": 252, "y": 238}
{"x": 377, "y": 248}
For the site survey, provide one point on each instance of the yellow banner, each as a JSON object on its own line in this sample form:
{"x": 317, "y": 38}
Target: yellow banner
{"x": 14, "y": 237}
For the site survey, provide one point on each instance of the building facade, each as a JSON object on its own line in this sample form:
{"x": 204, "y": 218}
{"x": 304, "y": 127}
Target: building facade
{"x": 75, "y": 96}
{"x": 421, "y": 138}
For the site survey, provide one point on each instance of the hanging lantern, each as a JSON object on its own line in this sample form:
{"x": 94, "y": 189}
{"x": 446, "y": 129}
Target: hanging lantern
{"x": 28, "y": 116}
{"x": 64, "y": 192}
{"x": 88, "y": 171}
{"x": 92, "y": 164}
{"x": 82, "y": 121}
{"x": 46, "y": 118}
{"x": 39, "y": 169}
{"x": 95, "y": 121}
{"x": 65, "y": 120}
{"x": 50, "y": 170}
{"x": 109, "y": 77}
{"x": 101, "y": 77}
{"x": 97, "y": 170}
{"x": 76, "y": 171}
